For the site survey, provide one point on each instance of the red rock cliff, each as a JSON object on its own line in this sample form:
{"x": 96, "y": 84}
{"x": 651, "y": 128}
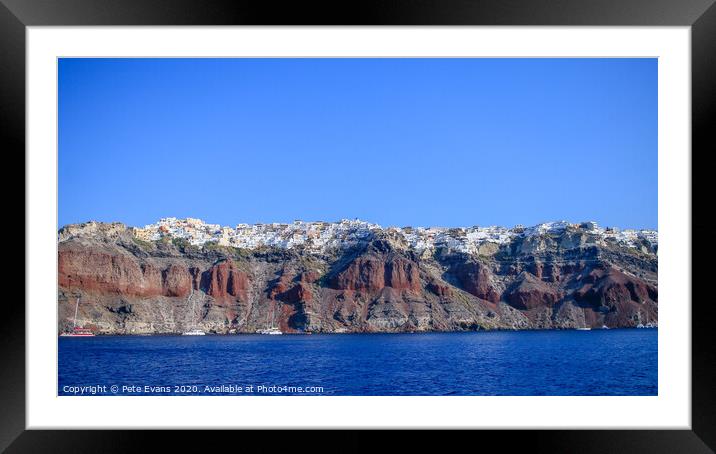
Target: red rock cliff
{"x": 223, "y": 280}
{"x": 372, "y": 274}
{"x": 103, "y": 272}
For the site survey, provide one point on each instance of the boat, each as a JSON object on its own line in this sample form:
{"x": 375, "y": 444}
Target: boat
{"x": 605, "y": 327}
{"x": 648, "y": 324}
{"x": 76, "y": 330}
{"x": 271, "y": 330}
{"x": 583, "y": 329}
{"x": 194, "y": 331}
{"x": 639, "y": 324}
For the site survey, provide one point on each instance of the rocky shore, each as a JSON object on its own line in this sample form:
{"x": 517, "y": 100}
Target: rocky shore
{"x": 548, "y": 279}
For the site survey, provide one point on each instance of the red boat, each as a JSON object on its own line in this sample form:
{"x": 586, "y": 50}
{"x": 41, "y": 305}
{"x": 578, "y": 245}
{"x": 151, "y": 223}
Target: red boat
{"x": 76, "y": 330}
{"x": 79, "y": 332}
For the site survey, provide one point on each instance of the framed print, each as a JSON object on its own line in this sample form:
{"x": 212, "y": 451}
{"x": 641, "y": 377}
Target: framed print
{"x": 417, "y": 216}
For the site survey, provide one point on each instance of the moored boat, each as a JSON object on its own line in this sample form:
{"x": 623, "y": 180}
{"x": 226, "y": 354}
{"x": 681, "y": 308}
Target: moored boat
{"x": 271, "y": 328}
{"x": 194, "y": 331}
{"x": 270, "y": 331}
{"x": 77, "y": 331}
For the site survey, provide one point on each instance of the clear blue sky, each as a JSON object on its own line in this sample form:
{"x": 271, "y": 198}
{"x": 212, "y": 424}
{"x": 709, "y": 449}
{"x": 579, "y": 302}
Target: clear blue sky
{"x": 444, "y": 142}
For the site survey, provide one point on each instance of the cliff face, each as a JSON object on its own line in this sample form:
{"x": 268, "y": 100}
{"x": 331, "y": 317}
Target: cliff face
{"x": 541, "y": 281}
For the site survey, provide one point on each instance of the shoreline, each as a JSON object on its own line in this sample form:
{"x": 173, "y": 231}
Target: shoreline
{"x": 363, "y": 333}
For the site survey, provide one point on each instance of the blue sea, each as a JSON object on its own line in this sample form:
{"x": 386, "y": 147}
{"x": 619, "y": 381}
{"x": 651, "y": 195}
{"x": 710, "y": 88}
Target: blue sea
{"x": 503, "y": 363}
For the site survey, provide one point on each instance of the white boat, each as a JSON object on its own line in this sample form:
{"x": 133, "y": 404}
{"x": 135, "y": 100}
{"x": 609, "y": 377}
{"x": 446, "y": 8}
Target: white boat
{"x": 648, "y": 324}
{"x": 605, "y": 327}
{"x": 639, "y": 324}
{"x": 583, "y": 329}
{"x": 194, "y": 331}
{"x": 76, "y": 330}
{"x": 271, "y": 330}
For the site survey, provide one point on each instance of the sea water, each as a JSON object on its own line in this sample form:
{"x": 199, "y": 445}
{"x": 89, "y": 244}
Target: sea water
{"x": 505, "y": 363}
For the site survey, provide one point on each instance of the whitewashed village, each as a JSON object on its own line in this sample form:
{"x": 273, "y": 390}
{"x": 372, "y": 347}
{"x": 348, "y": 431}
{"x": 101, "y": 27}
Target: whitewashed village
{"x": 318, "y": 236}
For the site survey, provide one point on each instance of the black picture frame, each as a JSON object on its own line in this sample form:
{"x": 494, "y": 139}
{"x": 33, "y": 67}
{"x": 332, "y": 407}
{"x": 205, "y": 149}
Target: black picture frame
{"x": 700, "y": 15}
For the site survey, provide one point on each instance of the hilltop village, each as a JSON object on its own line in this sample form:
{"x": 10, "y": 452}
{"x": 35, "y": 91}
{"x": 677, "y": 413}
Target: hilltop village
{"x": 318, "y": 236}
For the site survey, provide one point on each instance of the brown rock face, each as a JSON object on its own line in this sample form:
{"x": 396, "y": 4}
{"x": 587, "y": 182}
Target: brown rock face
{"x": 547, "y": 272}
{"x": 553, "y": 273}
{"x": 309, "y": 277}
{"x": 97, "y": 271}
{"x": 362, "y": 274}
{"x": 280, "y": 286}
{"x": 224, "y": 281}
{"x": 530, "y": 293}
{"x": 176, "y": 281}
{"x": 129, "y": 286}
{"x": 298, "y": 293}
{"x": 401, "y": 274}
{"x": 373, "y": 274}
{"x": 611, "y": 287}
{"x": 440, "y": 289}
{"x": 536, "y": 269}
{"x": 474, "y": 278}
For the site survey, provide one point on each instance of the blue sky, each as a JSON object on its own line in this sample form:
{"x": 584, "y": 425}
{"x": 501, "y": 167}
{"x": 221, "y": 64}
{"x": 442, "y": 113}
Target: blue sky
{"x": 442, "y": 142}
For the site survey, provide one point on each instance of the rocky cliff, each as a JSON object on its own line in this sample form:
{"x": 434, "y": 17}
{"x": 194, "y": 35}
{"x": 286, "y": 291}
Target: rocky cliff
{"x": 536, "y": 278}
